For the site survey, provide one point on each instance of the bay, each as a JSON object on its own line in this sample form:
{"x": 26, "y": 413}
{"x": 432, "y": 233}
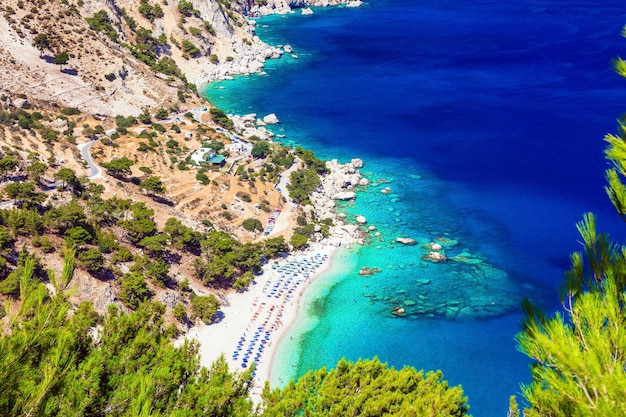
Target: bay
{"x": 485, "y": 119}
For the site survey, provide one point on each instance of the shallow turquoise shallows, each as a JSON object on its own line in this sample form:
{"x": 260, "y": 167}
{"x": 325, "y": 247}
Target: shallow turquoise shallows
{"x": 485, "y": 120}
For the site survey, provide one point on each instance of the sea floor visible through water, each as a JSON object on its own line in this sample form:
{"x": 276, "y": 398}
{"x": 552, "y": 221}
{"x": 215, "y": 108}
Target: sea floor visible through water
{"x": 485, "y": 120}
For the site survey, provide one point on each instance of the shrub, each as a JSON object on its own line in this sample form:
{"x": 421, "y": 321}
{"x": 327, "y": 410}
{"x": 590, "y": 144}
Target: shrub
{"x": 185, "y": 7}
{"x": 205, "y": 307}
{"x": 180, "y": 313}
{"x": 70, "y": 111}
{"x": 202, "y": 178}
{"x": 252, "y": 225}
{"x": 189, "y": 48}
{"x": 244, "y": 196}
{"x": 298, "y": 241}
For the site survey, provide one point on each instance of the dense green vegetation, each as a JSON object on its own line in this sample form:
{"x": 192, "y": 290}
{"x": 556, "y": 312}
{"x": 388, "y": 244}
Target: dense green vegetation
{"x": 58, "y": 364}
{"x": 366, "y": 388}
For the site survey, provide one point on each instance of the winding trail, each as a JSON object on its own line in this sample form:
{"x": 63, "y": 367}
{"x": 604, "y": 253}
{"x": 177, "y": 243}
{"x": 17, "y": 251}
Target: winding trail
{"x": 94, "y": 170}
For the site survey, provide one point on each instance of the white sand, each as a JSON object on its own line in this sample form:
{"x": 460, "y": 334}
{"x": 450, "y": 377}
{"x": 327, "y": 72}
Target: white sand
{"x": 260, "y": 310}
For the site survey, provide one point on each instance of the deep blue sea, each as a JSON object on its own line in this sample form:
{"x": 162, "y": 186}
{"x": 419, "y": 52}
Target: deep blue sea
{"x": 485, "y": 119}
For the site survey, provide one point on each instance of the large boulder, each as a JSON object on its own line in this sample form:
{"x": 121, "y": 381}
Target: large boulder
{"x": 406, "y": 240}
{"x": 344, "y": 195}
{"x": 271, "y": 119}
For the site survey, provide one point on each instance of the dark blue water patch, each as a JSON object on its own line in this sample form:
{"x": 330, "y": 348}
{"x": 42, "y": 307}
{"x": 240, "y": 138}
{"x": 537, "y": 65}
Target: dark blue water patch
{"x": 486, "y": 119}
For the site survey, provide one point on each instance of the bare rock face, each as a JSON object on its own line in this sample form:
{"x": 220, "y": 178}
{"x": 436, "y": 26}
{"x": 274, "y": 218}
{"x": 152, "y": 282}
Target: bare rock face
{"x": 170, "y": 298}
{"x": 20, "y": 103}
{"x": 58, "y": 124}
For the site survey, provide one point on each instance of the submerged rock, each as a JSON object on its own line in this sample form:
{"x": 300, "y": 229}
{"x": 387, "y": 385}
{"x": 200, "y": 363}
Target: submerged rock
{"x": 434, "y": 257}
{"x": 365, "y": 271}
{"x": 398, "y": 311}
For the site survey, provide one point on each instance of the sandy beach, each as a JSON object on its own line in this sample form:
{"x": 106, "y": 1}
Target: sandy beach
{"x": 253, "y": 322}
{"x": 250, "y": 324}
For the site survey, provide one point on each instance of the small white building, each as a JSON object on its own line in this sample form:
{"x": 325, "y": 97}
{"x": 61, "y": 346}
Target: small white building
{"x": 207, "y": 155}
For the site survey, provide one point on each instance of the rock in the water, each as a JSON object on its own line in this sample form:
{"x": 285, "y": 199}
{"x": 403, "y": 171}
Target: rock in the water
{"x": 406, "y": 240}
{"x": 364, "y": 182}
{"x": 371, "y": 228}
{"x": 307, "y": 11}
{"x": 288, "y": 49}
{"x": 357, "y": 163}
{"x": 271, "y": 119}
{"x": 361, "y": 219}
{"x": 435, "y": 257}
{"x": 398, "y": 311}
{"x": 365, "y": 271}
{"x": 345, "y": 195}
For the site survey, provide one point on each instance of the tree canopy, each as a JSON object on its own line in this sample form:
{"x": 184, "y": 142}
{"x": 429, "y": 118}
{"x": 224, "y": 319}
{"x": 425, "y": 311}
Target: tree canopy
{"x": 366, "y": 388}
{"x": 51, "y": 364}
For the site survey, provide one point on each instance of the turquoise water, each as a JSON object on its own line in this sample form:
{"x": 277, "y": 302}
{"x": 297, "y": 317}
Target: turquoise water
{"x": 485, "y": 119}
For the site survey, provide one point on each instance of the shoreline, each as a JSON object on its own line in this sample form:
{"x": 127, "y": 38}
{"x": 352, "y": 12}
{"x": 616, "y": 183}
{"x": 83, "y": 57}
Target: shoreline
{"x": 254, "y": 322}
{"x": 251, "y": 324}
{"x": 296, "y": 313}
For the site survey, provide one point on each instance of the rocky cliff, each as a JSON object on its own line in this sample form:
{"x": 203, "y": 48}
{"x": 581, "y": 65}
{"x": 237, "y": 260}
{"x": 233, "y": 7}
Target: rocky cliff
{"x": 124, "y": 55}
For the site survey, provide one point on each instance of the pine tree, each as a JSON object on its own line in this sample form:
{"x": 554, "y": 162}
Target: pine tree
{"x": 579, "y": 354}
{"x": 366, "y": 388}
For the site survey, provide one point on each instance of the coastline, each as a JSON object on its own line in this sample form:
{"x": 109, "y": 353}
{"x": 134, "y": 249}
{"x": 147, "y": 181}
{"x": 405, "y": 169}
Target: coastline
{"x": 256, "y": 308}
{"x": 252, "y": 324}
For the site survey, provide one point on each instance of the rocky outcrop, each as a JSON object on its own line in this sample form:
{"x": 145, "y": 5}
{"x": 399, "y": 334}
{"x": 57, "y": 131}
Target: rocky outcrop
{"x": 286, "y": 6}
{"x": 270, "y": 119}
{"x": 336, "y": 185}
{"x": 406, "y": 241}
{"x": 345, "y": 195}
{"x": 365, "y": 271}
